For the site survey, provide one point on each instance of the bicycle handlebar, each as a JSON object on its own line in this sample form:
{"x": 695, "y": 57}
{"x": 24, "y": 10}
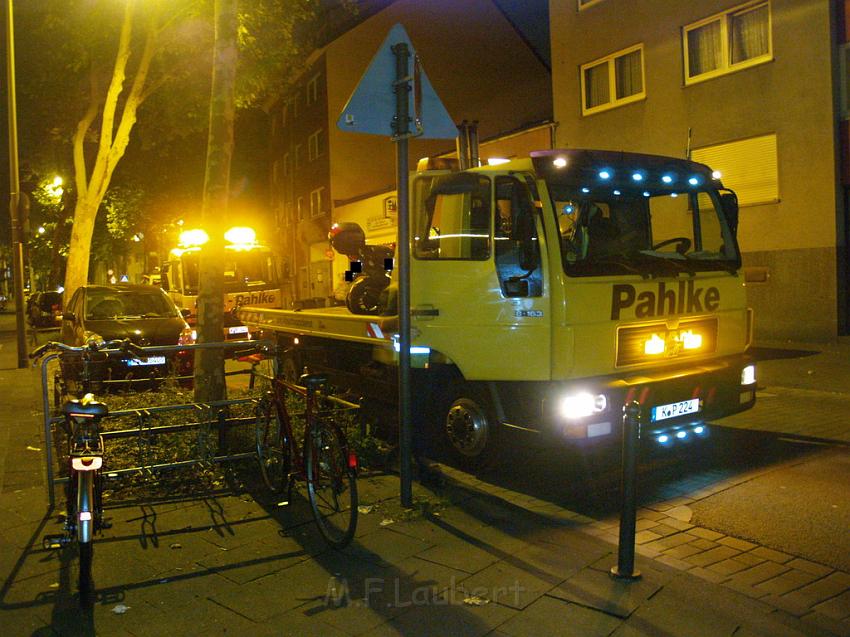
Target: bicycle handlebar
{"x": 90, "y": 347}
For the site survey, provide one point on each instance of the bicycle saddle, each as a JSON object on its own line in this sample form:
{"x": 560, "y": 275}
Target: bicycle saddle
{"x": 313, "y": 381}
{"x": 91, "y": 409}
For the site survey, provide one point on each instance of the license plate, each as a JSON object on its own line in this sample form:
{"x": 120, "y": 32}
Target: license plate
{"x": 663, "y": 412}
{"x": 150, "y": 360}
{"x": 241, "y": 329}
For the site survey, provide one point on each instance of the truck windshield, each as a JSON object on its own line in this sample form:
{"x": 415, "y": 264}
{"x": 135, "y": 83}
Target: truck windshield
{"x": 634, "y": 230}
{"x": 243, "y": 270}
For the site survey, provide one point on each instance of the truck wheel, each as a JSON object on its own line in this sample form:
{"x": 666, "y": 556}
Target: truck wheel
{"x": 364, "y": 297}
{"x": 469, "y": 426}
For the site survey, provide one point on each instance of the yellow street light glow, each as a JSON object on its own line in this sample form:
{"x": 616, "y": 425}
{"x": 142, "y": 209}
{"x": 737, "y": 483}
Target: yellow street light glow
{"x": 57, "y": 181}
{"x": 241, "y": 235}
{"x": 654, "y": 346}
{"x": 690, "y": 340}
{"x": 195, "y": 237}
{"x": 41, "y": 230}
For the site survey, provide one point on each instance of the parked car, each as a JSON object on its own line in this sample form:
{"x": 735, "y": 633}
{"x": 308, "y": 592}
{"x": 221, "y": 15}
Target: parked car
{"x": 44, "y": 309}
{"x": 142, "y": 313}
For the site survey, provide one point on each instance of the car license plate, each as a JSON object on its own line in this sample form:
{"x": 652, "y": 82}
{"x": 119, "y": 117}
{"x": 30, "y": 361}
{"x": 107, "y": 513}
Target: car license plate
{"x": 240, "y": 329}
{"x": 150, "y": 360}
{"x": 663, "y": 412}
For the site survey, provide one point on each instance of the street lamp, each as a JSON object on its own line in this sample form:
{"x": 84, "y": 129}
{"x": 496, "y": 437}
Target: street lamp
{"x": 15, "y": 190}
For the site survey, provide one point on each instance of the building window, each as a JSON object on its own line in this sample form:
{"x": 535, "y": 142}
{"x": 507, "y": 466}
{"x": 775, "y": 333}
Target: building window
{"x": 286, "y": 164}
{"x": 727, "y": 42}
{"x": 612, "y": 81}
{"x": 294, "y": 105}
{"x": 297, "y": 156}
{"x": 299, "y": 208}
{"x": 747, "y": 166}
{"x": 312, "y": 90}
{"x": 314, "y": 145}
{"x": 316, "y": 203}
{"x": 584, "y": 4}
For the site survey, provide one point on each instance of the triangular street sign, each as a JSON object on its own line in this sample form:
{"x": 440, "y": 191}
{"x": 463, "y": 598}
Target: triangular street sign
{"x": 372, "y": 106}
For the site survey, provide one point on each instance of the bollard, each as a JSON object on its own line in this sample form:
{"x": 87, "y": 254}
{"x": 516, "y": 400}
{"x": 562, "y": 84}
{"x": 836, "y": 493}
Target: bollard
{"x": 625, "y": 568}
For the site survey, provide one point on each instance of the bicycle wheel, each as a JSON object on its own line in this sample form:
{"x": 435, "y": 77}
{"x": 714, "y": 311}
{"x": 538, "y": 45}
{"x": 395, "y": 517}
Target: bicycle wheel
{"x": 273, "y": 451}
{"x": 331, "y": 483}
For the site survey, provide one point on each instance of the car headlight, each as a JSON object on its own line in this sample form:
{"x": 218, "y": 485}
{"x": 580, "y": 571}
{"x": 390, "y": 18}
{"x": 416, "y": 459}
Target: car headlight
{"x": 582, "y": 405}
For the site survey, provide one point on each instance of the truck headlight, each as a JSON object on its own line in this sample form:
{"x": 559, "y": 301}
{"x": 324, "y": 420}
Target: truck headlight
{"x": 748, "y": 375}
{"x": 582, "y": 405}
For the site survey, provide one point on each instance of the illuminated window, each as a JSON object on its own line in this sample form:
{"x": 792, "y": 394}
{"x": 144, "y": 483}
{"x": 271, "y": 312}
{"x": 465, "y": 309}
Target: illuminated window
{"x": 729, "y": 41}
{"x": 300, "y": 209}
{"x": 613, "y": 80}
{"x": 297, "y": 156}
{"x": 747, "y": 166}
{"x": 316, "y": 203}
{"x": 314, "y": 145}
{"x": 285, "y": 164}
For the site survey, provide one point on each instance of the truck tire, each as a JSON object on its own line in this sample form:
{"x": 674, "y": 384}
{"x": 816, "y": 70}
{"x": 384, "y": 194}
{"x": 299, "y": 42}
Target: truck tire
{"x": 469, "y": 427}
{"x": 364, "y": 297}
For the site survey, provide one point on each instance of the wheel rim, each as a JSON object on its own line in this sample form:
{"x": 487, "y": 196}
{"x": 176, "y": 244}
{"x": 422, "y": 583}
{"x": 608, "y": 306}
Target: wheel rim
{"x": 331, "y": 486}
{"x": 467, "y": 427}
{"x": 270, "y": 450}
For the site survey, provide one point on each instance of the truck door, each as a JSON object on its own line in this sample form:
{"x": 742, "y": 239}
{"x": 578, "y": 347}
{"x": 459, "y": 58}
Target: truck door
{"x": 478, "y": 295}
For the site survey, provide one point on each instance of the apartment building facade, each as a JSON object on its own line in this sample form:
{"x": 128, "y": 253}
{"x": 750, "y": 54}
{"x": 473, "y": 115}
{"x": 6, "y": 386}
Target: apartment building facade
{"x": 479, "y": 65}
{"x": 752, "y": 89}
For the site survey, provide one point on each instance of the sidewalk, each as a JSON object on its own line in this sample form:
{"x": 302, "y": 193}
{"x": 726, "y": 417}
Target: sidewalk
{"x": 471, "y": 559}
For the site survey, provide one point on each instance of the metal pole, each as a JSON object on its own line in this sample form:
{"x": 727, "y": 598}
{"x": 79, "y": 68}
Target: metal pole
{"x": 401, "y": 128}
{"x": 625, "y": 568}
{"x": 15, "y": 191}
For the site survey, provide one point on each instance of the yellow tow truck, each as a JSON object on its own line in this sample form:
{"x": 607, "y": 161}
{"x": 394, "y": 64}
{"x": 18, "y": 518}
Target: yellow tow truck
{"x": 547, "y": 293}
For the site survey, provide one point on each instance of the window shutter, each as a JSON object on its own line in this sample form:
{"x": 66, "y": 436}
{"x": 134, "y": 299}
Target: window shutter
{"x": 747, "y": 166}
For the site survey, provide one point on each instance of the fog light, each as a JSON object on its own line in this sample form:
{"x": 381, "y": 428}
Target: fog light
{"x": 748, "y": 375}
{"x": 582, "y": 405}
{"x": 699, "y": 430}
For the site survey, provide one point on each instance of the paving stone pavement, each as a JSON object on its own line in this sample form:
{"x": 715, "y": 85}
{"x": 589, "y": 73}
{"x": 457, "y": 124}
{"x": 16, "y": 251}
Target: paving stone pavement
{"x": 480, "y": 560}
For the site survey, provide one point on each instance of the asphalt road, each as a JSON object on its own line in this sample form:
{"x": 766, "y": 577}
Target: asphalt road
{"x": 801, "y": 507}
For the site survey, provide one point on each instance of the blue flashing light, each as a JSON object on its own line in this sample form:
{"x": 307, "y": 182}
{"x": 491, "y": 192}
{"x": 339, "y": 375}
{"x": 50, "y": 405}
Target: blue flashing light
{"x": 698, "y": 430}
{"x": 637, "y": 177}
{"x": 681, "y": 435}
{"x": 663, "y": 439}
{"x": 616, "y": 192}
{"x": 605, "y": 174}
{"x": 568, "y": 210}
{"x": 585, "y": 189}
{"x": 693, "y": 181}
{"x": 646, "y": 193}
{"x": 667, "y": 179}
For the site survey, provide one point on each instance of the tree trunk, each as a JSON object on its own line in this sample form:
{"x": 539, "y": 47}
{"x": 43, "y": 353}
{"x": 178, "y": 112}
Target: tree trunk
{"x": 77, "y": 268}
{"x": 209, "y": 363}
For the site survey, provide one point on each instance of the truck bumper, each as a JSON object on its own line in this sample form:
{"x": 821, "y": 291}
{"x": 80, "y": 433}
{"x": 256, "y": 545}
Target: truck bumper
{"x": 672, "y": 400}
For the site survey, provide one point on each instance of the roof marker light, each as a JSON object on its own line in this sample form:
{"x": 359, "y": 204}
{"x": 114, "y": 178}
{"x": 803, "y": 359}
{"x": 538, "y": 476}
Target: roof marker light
{"x": 646, "y": 193}
{"x": 560, "y": 162}
{"x": 716, "y": 174}
{"x": 585, "y": 189}
{"x": 667, "y": 179}
{"x": 637, "y": 177}
{"x": 616, "y": 192}
{"x": 693, "y": 181}
{"x": 674, "y": 194}
{"x": 605, "y": 174}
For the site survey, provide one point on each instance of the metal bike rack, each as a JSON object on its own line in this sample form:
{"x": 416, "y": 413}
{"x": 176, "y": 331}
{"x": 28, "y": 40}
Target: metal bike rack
{"x": 201, "y": 417}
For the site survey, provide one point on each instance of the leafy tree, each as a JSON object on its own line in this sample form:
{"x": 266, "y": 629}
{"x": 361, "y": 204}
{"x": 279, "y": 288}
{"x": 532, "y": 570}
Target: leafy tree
{"x": 95, "y": 72}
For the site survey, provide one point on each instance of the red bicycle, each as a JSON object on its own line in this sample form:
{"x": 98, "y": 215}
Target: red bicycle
{"x": 324, "y": 460}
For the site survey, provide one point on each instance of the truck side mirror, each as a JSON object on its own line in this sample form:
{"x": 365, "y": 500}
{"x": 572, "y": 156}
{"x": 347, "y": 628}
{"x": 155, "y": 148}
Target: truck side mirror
{"x": 729, "y": 204}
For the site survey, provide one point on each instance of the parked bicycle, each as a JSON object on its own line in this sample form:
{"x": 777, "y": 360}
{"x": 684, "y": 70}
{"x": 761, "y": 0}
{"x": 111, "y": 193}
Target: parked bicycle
{"x": 84, "y": 488}
{"x": 324, "y": 459}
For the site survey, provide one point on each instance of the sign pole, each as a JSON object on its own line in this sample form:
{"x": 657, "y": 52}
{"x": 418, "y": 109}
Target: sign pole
{"x": 401, "y": 130}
